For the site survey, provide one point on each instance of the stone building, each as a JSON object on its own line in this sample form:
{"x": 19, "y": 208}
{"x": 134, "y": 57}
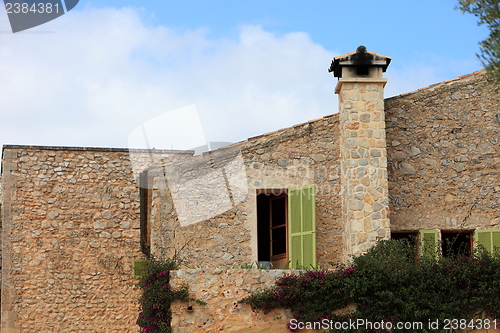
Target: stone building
{"x": 423, "y": 164}
{"x": 70, "y": 232}
{"x": 444, "y": 162}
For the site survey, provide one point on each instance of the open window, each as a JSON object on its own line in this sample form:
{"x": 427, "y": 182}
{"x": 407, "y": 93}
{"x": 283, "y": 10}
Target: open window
{"x": 489, "y": 238}
{"x": 410, "y": 236}
{"x": 145, "y": 194}
{"x": 452, "y": 244}
{"x": 272, "y": 227}
{"x": 286, "y": 227}
{"x": 456, "y": 243}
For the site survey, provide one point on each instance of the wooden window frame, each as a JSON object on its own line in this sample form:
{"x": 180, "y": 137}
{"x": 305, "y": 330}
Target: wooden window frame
{"x": 281, "y": 256}
{"x": 300, "y": 243}
{"x": 276, "y": 260}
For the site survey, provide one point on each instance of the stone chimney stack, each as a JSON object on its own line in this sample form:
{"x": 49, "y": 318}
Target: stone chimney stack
{"x": 363, "y": 154}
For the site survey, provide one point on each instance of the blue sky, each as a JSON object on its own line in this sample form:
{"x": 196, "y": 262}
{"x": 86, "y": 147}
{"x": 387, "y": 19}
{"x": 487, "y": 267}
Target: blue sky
{"x": 92, "y": 76}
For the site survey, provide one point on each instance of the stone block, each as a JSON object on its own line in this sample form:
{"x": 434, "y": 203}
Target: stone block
{"x": 407, "y": 169}
{"x": 365, "y": 117}
{"x": 351, "y": 143}
{"x": 355, "y": 204}
{"x": 399, "y": 156}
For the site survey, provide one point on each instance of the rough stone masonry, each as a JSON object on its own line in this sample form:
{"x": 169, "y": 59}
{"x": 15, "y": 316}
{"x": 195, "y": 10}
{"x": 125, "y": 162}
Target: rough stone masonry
{"x": 71, "y": 230}
{"x": 363, "y": 156}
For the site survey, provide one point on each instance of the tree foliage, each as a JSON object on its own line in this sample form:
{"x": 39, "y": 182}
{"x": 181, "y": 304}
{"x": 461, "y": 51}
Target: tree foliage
{"x": 487, "y": 12}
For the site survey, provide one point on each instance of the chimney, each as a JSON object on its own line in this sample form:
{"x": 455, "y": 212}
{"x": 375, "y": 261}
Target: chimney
{"x": 363, "y": 154}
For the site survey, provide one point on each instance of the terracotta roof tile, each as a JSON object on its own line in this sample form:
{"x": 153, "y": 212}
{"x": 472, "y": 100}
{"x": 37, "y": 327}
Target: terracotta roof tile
{"x": 313, "y": 120}
{"x": 268, "y": 133}
{"x": 348, "y": 54}
{"x": 255, "y": 137}
{"x": 476, "y": 72}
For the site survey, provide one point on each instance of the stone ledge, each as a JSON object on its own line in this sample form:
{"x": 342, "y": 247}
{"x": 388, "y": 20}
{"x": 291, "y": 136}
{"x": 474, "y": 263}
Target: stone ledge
{"x": 65, "y": 148}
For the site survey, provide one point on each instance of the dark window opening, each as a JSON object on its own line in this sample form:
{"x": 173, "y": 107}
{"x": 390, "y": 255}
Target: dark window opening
{"x": 272, "y": 233}
{"x": 456, "y": 243}
{"x": 410, "y": 236}
{"x": 278, "y": 225}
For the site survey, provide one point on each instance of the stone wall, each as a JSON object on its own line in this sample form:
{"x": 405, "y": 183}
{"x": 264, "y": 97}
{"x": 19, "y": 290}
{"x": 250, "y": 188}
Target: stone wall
{"x": 226, "y": 236}
{"x": 364, "y": 163}
{"x": 70, "y": 216}
{"x": 444, "y": 156}
{"x": 221, "y": 289}
{"x": 442, "y": 166}
{"x": 71, "y": 230}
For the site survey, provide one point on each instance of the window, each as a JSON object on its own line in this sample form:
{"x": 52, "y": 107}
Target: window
{"x": 488, "y": 238}
{"x": 286, "y": 226}
{"x": 272, "y": 217}
{"x": 456, "y": 243}
{"x": 410, "y": 236}
{"x": 145, "y": 193}
{"x": 453, "y": 243}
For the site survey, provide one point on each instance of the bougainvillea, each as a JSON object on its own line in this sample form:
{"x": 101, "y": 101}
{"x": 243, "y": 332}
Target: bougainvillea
{"x": 389, "y": 284}
{"x": 155, "y": 315}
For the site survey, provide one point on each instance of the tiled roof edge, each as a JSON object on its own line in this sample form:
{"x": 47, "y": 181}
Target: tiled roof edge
{"x": 437, "y": 84}
{"x": 286, "y": 128}
{"x": 71, "y": 148}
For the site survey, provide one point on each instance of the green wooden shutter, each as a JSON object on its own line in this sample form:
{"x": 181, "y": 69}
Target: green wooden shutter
{"x": 495, "y": 236}
{"x": 489, "y": 238}
{"x": 139, "y": 267}
{"x": 302, "y": 226}
{"x": 429, "y": 244}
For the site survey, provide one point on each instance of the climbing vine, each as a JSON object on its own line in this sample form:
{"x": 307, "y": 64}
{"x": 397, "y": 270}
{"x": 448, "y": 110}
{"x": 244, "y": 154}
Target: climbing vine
{"x": 155, "y": 315}
{"x": 388, "y": 284}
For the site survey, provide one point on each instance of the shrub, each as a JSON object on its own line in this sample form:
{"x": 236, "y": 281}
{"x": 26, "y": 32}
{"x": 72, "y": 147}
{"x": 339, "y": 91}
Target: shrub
{"x": 389, "y": 284}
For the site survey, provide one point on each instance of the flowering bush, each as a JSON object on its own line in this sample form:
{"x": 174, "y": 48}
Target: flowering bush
{"x": 155, "y": 314}
{"x": 388, "y": 284}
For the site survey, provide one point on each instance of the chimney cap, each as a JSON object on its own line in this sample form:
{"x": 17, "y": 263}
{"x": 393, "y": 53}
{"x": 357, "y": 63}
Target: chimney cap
{"x": 361, "y": 49}
{"x": 360, "y": 57}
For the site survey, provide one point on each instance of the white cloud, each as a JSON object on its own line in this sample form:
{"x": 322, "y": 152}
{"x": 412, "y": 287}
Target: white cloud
{"x": 179, "y": 129}
{"x": 103, "y": 72}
